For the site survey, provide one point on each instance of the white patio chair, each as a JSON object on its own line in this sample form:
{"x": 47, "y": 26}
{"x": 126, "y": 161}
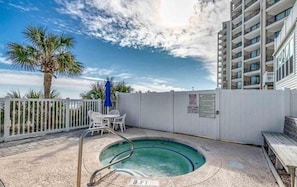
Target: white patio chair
{"x": 98, "y": 120}
{"x": 90, "y": 117}
{"x": 119, "y": 121}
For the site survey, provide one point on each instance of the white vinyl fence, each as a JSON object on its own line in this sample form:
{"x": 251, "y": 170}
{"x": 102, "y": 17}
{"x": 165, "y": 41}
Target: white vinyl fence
{"x": 21, "y": 118}
{"x": 233, "y": 115}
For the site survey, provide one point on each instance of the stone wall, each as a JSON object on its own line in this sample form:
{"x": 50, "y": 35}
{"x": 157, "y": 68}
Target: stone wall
{"x": 290, "y": 127}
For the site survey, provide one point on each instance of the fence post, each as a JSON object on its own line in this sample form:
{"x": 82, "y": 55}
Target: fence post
{"x": 67, "y": 114}
{"x": 117, "y": 100}
{"x": 7, "y": 121}
{"x": 99, "y": 108}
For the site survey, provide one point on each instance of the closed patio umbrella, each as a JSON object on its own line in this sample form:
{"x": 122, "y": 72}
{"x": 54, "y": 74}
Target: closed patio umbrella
{"x": 107, "y": 101}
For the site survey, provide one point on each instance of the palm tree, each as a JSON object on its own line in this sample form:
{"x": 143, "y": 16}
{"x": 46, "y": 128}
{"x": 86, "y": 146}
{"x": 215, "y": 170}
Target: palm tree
{"x": 96, "y": 92}
{"x": 47, "y": 53}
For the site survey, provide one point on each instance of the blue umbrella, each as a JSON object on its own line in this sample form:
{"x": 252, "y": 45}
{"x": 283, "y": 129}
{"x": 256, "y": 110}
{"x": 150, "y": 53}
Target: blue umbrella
{"x": 107, "y": 101}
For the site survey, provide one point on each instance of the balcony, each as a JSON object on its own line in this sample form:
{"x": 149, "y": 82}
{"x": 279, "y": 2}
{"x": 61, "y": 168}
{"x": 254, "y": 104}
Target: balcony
{"x": 247, "y": 57}
{"x": 250, "y": 3}
{"x": 236, "y": 25}
{"x": 252, "y": 68}
{"x": 236, "y": 35}
{"x": 252, "y": 28}
{"x": 273, "y": 20}
{"x": 236, "y": 16}
{"x": 236, "y": 77}
{"x": 236, "y": 87}
{"x": 235, "y": 6}
{"x": 269, "y": 60}
{"x": 251, "y": 15}
{"x": 275, "y": 6}
{"x": 269, "y": 39}
{"x": 270, "y": 3}
{"x": 268, "y": 77}
{"x": 249, "y": 83}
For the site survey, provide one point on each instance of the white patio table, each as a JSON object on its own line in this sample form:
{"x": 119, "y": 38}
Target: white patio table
{"x": 110, "y": 117}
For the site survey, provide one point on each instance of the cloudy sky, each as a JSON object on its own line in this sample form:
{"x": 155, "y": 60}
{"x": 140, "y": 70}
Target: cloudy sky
{"x": 155, "y": 45}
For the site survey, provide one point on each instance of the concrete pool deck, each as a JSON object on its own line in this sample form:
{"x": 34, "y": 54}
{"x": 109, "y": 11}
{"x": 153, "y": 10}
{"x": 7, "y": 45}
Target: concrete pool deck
{"x": 52, "y": 161}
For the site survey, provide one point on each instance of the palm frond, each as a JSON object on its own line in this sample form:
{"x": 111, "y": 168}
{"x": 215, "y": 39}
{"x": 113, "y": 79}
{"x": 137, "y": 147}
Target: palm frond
{"x": 14, "y": 94}
{"x": 36, "y": 36}
{"x": 22, "y": 56}
{"x": 66, "y": 64}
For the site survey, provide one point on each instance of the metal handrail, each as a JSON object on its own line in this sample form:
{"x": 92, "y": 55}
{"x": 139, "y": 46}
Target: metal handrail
{"x": 92, "y": 179}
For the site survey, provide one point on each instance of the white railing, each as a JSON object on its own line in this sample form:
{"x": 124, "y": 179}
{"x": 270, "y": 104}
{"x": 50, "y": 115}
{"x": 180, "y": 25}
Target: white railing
{"x": 288, "y": 24}
{"x": 21, "y": 118}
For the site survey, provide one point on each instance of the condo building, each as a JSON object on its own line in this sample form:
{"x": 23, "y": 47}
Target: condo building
{"x": 223, "y": 59}
{"x": 254, "y": 26}
{"x": 285, "y": 54}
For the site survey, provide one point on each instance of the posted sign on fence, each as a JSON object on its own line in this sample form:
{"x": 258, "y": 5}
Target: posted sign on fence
{"x": 207, "y": 105}
{"x": 192, "y": 107}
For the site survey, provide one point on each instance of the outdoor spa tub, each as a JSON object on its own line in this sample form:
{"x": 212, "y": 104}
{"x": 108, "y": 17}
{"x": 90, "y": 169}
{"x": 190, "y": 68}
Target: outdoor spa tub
{"x": 153, "y": 158}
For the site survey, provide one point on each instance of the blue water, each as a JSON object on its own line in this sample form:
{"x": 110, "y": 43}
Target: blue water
{"x": 154, "y": 158}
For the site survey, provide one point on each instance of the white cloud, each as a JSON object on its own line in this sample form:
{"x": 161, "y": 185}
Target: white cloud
{"x": 124, "y": 76}
{"x": 155, "y": 85}
{"x": 5, "y": 60}
{"x": 23, "y": 8}
{"x": 177, "y": 26}
{"x": 98, "y": 71}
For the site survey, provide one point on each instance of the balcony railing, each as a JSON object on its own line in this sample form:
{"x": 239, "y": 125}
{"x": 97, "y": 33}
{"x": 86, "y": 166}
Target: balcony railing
{"x": 269, "y": 58}
{"x": 250, "y": 3}
{"x": 236, "y": 16}
{"x": 236, "y": 35}
{"x": 249, "y": 83}
{"x": 246, "y": 57}
{"x": 270, "y": 3}
{"x": 235, "y": 57}
{"x": 248, "y": 44}
{"x": 269, "y": 40}
{"x": 236, "y": 5}
{"x": 249, "y": 69}
{"x": 236, "y": 77}
{"x": 252, "y": 28}
{"x": 236, "y": 87}
{"x": 251, "y": 15}
{"x": 272, "y": 20}
{"x": 237, "y": 25}
{"x": 237, "y": 45}
{"x": 268, "y": 77}
{"x": 237, "y": 66}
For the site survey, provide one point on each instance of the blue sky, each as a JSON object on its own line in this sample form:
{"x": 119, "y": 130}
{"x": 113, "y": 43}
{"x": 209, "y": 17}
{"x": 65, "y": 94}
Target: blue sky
{"x": 155, "y": 45}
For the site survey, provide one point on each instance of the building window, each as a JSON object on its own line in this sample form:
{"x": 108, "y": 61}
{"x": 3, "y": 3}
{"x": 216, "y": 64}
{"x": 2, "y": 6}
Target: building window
{"x": 255, "y": 40}
{"x": 239, "y": 84}
{"x": 238, "y": 54}
{"x": 255, "y": 80}
{"x": 282, "y": 15}
{"x": 239, "y": 74}
{"x": 255, "y": 53}
{"x": 254, "y": 67}
{"x": 285, "y": 61}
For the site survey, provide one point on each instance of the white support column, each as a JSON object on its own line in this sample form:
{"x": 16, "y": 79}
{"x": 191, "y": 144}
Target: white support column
{"x": 7, "y": 121}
